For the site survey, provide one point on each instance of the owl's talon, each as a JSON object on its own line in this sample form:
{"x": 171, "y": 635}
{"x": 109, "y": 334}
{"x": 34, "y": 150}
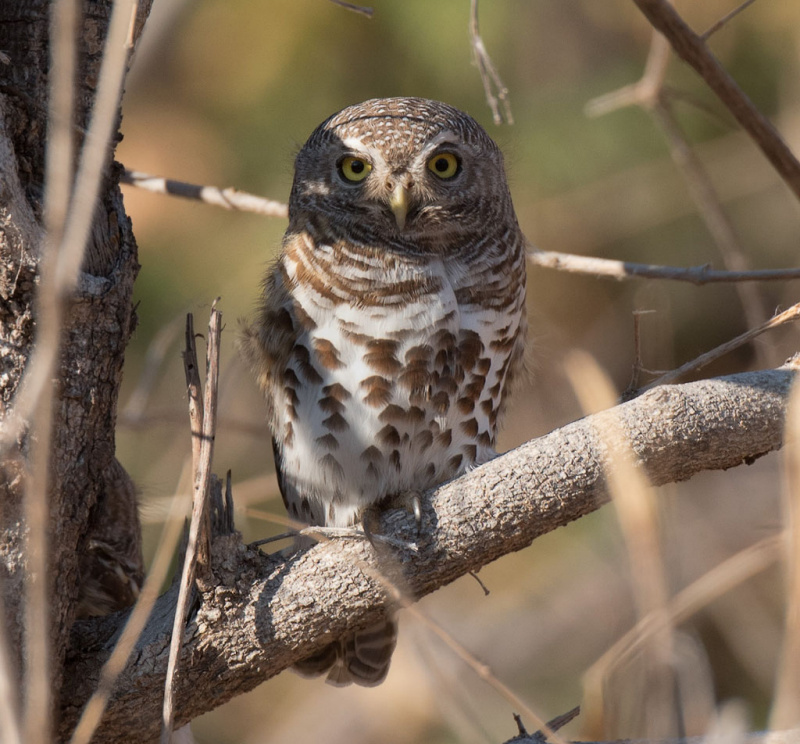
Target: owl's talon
{"x": 411, "y": 501}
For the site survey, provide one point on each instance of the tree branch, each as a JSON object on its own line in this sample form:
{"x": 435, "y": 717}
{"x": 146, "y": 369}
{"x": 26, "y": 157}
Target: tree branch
{"x": 267, "y": 612}
{"x": 692, "y": 49}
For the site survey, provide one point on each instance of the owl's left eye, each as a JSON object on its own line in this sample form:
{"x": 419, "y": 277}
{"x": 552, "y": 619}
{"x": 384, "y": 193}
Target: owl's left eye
{"x": 354, "y": 169}
{"x": 444, "y": 165}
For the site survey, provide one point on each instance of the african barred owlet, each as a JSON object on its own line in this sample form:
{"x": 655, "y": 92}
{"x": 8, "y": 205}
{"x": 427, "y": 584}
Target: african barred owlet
{"x": 391, "y": 325}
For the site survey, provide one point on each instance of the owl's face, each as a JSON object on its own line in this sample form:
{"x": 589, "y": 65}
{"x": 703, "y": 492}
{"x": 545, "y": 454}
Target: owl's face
{"x": 400, "y": 171}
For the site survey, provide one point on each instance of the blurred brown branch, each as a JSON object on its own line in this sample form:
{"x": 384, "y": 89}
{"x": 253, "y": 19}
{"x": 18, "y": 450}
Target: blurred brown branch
{"x": 259, "y": 609}
{"x": 692, "y": 49}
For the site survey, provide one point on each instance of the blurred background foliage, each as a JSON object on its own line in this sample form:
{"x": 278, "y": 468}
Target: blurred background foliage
{"x": 224, "y": 93}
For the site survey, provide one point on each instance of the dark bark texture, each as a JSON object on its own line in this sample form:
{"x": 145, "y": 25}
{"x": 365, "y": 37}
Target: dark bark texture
{"x": 97, "y": 323}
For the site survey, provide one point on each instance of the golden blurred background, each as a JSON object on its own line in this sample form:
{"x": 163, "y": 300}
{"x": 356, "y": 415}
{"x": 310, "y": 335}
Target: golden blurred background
{"x": 224, "y": 93}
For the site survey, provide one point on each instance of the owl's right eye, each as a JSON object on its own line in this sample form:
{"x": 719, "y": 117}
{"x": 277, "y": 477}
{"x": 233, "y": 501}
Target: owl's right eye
{"x": 354, "y": 169}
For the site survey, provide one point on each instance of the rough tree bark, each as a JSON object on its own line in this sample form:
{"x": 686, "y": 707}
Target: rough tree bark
{"x": 97, "y": 323}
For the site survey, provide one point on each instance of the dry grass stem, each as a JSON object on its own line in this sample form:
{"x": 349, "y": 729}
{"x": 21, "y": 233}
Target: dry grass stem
{"x": 613, "y": 269}
{"x": 636, "y": 509}
{"x": 38, "y": 407}
{"x": 785, "y": 711}
{"x": 140, "y": 613}
{"x": 197, "y": 557}
{"x": 228, "y": 198}
{"x": 689, "y": 601}
{"x": 494, "y": 88}
{"x": 787, "y": 316}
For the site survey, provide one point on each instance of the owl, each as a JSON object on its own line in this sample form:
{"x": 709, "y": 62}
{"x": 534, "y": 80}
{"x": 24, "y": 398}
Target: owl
{"x": 391, "y": 326}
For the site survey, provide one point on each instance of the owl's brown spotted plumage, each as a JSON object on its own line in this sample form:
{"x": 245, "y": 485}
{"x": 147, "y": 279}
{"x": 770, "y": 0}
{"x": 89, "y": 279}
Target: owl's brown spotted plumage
{"x": 392, "y": 323}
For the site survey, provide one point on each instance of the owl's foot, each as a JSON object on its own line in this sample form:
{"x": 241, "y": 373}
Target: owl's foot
{"x": 411, "y": 501}
{"x": 370, "y": 518}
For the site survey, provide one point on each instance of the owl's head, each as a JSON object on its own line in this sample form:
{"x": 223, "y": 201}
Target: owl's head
{"x": 404, "y": 171}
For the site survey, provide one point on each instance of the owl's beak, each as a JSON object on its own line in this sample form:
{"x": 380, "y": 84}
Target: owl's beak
{"x": 398, "y": 202}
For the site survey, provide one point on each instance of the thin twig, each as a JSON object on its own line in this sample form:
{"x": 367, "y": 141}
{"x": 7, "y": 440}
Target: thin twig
{"x": 787, "y": 316}
{"x": 649, "y": 94}
{"x": 228, "y": 198}
{"x": 638, "y": 365}
{"x": 710, "y": 208}
{"x": 722, "y": 21}
{"x": 484, "y": 672}
{"x": 645, "y": 90}
{"x": 615, "y": 269}
{"x": 692, "y": 49}
{"x": 355, "y": 8}
{"x": 194, "y": 390}
{"x": 489, "y": 76}
{"x": 197, "y": 549}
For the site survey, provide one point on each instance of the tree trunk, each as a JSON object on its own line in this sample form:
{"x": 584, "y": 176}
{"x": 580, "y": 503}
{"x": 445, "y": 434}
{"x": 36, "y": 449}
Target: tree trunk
{"x": 86, "y": 483}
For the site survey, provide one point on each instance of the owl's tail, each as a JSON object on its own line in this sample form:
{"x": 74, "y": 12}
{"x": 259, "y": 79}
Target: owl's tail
{"x": 362, "y": 657}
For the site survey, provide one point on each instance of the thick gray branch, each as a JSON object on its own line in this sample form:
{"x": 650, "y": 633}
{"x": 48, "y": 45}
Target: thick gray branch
{"x": 268, "y": 612}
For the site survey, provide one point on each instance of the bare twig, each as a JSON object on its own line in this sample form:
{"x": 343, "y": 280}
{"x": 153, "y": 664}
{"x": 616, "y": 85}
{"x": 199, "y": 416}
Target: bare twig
{"x": 194, "y": 390}
{"x": 787, "y": 316}
{"x": 355, "y": 8}
{"x": 614, "y": 269}
{"x": 691, "y": 49}
{"x": 540, "y": 737}
{"x": 643, "y": 92}
{"x": 489, "y": 76}
{"x": 227, "y": 198}
{"x": 722, "y": 21}
{"x": 649, "y": 93}
{"x": 638, "y": 365}
{"x": 197, "y": 549}
{"x": 711, "y": 210}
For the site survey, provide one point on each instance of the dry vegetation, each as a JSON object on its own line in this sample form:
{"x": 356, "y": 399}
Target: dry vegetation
{"x": 676, "y": 612}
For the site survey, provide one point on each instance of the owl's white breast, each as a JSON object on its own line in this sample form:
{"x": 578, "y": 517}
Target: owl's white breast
{"x": 361, "y": 430}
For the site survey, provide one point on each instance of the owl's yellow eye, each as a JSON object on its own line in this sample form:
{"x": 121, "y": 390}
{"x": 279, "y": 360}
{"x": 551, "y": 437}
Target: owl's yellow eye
{"x": 444, "y": 165}
{"x": 354, "y": 169}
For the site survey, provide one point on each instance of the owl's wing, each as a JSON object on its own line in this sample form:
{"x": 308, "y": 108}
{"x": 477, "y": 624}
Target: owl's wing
{"x": 267, "y": 343}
